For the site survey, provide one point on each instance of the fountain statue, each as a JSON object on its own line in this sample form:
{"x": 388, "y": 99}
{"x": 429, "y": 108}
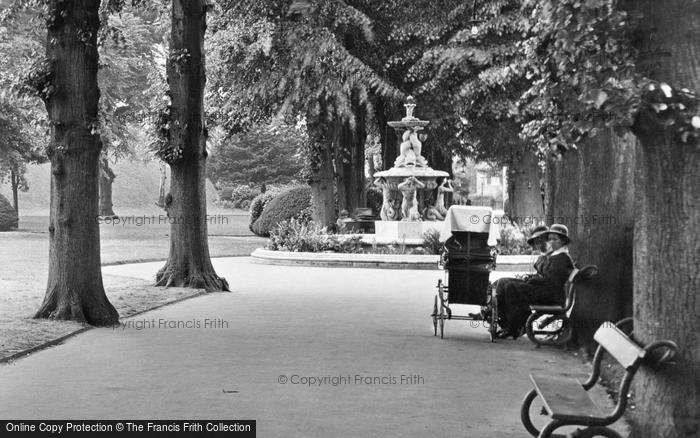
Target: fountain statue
{"x": 389, "y": 212}
{"x": 409, "y": 177}
{"x": 438, "y": 211}
{"x": 409, "y": 206}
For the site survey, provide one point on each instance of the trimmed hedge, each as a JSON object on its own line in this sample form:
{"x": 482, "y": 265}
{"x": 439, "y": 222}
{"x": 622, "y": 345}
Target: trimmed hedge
{"x": 291, "y": 203}
{"x": 8, "y": 216}
{"x": 257, "y": 206}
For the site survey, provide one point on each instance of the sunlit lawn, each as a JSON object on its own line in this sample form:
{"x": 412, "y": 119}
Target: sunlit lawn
{"x": 24, "y": 271}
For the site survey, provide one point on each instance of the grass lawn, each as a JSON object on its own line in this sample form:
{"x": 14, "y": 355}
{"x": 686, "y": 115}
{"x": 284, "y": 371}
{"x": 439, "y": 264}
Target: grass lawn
{"x": 24, "y": 260}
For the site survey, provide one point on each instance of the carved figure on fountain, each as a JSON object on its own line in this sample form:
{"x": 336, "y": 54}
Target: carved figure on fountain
{"x": 410, "y": 150}
{"x": 409, "y": 206}
{"x": 437, "y": 211}
{"x": 389, "y": 211}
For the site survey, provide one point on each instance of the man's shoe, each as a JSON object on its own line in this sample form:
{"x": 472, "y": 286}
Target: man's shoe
{"x": 504, "y": 334}
{"x": 484, "y": 315}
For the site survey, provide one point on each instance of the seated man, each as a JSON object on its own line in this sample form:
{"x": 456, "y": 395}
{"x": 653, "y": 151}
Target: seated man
{"x": 545, "y": 287}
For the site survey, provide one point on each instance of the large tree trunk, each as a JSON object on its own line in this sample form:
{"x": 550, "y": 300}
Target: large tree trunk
{"x": 14, "y": 182}
{"x": 524, "y": 193}
{"x": 437, "y": 152}
{"x": 357, "y": 174}
{"x": 666, "y": 248}
{"x": 350, "y": 167}
{"x": 74, "y": 290}
{"x": 342, "y": 148}
{"x": 439, "y": 156}
{"x": 371, "y": 168}
{"x": 189, "y": 264}
{"x": 321, "y": 177}
{"x": 106, "y": 179}
{"x": 388, "y": 138}
{"x": 604, "y": 232}
{"x": 161, "y": 185}
{"x": 562, "y": 190}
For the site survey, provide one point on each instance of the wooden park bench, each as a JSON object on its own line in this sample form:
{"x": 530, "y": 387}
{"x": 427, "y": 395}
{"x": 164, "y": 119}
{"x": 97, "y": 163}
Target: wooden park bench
{"x": 360, "y": 221}
{"x": 551, "y": 325}
{"x": 567, "y": 401}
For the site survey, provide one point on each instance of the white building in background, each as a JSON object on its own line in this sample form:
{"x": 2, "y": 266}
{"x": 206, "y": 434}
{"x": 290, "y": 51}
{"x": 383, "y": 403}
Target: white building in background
{"x": 490, "y": 182}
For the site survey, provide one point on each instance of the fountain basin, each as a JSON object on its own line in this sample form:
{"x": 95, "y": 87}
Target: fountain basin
{"x": 401, "y": 232}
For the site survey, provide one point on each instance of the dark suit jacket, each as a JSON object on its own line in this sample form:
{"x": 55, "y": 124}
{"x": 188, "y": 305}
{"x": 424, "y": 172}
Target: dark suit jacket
{"x": 554, "y": 272}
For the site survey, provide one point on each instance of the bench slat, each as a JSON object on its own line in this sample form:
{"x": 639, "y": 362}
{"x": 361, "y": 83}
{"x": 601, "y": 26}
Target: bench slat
{"x": 619, "y": 345}
{"x": 565, "y": 399}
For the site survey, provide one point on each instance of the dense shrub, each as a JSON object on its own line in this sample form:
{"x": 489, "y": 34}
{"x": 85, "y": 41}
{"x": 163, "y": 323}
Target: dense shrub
{"x": 8, "y": 216}
{"x": 394, "y": 248}
{"x": 431, "y": 242}
{"x": 237, "y": 196}
{"x": 257, "y": 205}
{"x": 374, "y": 200}
{"x": 301, "y": 235}
{"x": 291, "y": 203}
{"x": 513, "y": 239}
{"x": 225, "y": 194}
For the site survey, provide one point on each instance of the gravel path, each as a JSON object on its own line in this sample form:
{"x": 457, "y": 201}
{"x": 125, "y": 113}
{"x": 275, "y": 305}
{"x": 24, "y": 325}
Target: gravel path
{"x": 313, "y": 352}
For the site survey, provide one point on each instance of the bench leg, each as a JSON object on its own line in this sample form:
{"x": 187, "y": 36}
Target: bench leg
{"x": 540, "y": 337}
{"x": 596, "y": 431}
{"x": 551, "y": 427}
{"x": 525, "y": 413}
{"x": 530, "y": 328}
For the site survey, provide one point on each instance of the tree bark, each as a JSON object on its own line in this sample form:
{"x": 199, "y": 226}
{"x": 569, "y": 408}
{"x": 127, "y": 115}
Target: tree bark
{"x": 189, "y": 264}
{"x": 350, "y": 167}
{"x": 342, "y": 148}
{"x": 525, "y": 203}
{"x": 666, "y": 248}
{"x": 370, "y": 165}
{"x": 388, "y": 138}
{"x": 357, "y": 175}
{"x": 161, "y": 185}
{"x": 106, "y": 179}
{"x": 562, "y": 190}
{"x": 437, "y": 152}
{"x": 74, "y": 289}
{"x": 321, "y": 178}
{"x": 604, "y": 233}
{"x": 14, "y": 182}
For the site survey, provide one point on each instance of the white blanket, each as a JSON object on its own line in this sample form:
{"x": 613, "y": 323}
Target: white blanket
{"x": 475, "y": 219}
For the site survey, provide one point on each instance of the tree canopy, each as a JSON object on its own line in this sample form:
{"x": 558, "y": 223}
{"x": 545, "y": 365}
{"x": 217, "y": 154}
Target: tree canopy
{"x": 269, "y": 58}
{"x": 269, "y": 153}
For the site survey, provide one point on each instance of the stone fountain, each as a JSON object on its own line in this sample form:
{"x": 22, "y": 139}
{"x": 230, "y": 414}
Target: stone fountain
{"x": 407, "y": 211}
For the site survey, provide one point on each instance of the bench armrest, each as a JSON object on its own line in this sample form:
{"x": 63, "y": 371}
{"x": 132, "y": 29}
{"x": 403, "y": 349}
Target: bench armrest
{"x": 548, "y": 309}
